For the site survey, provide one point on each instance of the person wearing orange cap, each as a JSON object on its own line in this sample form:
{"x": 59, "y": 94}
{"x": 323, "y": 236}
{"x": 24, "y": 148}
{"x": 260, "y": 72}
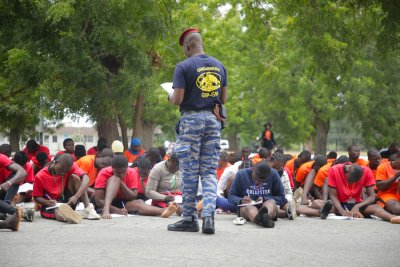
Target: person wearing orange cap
{"x": 200, "y": 87}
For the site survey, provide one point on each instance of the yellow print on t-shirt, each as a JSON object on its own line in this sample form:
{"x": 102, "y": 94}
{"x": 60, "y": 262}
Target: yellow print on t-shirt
{"x": 208, "y": 81}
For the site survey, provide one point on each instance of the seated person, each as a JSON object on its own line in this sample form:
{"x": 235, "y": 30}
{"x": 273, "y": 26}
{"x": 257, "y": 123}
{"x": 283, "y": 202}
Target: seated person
{"x": 223, "y": 162}
{"x": 91, "y": 165}
{"x": 374, "y": 160}
{"x": 80, "y": 151}
{"x": 294, "y": 164}
{"x": 63, "y": 181}
{"x": 346, "y": 182}
{"x": 260, "y": 183}
{"x": 135, "y": 150}
{"x": 32, "y": 148}
{"x": 289, "y": 209}
{"x": 306, "y": 175}
{"x": 154, "y": 155}
{"x": 101, "y": 144}
{"x": 354, "y": 155}
{"x": 263, "y": 154}
{"x": 11, "y": 176}
{"x": 69, "y": 147}
{"x": 226, "y": 180}
{"x": 387, "y": 183}
{"x": 116, "y": 192}
{"x": 39, "y": 161}
{"x": 164, "y": 182}
{"x": 141, "y": 172}
{"x": 331, "y": 157}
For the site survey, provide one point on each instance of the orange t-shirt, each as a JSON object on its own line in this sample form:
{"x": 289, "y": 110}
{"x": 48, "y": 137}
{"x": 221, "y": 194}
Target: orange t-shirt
{"x": 362, "y": 162}
{"x": 322, "y": 174}
{"x": 303, "y": 171}
{"x": 256, "y": 159}
{"x": 86, "y": 163}
{"x": 268, "y": 135}
{"x": 290, "y": 165}
{"x": 384, "y": 172}
{"x": 131, "y": 157}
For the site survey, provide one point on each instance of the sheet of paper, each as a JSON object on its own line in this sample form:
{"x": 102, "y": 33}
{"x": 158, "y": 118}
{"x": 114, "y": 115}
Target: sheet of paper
{"x": 251, "y": 204}
{"x": 168, "y": 88}
{"x": 120, "y": 215}
{"x": 335, "y": 217}
{"x": 54, "y": 207}
{"x": 178, "y": 199}
{"x": 25, "y": 188}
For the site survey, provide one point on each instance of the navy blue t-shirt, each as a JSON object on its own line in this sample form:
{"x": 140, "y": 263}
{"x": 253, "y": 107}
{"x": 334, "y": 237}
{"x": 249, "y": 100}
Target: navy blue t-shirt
{"x": 202, "y": 77}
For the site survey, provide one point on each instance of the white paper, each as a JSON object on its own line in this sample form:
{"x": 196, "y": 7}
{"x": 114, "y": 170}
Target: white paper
{"x": 168, "y": 88}
{"x": 25, "y": 188}
{"x": 251, "y": 203}
{"x": 335, "y": 217}
{"x": 54, "y": 207}
{"x": 120, "y": 215}
{"x": 178, "y": 199}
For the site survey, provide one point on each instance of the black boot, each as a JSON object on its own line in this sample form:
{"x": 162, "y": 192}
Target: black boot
{"x": 208, "y": 225}
{"x": 184, "y": 226}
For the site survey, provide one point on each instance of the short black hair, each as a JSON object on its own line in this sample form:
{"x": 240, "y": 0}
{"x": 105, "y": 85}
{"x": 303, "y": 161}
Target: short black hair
{"x": 174, "y": 159}
{"x": 143, "y": 164}
{"x": 80, "y": 151}
{"x": 153, "y": 154}
{"x": 277, "y": 157}
{"x": 5, "y": 149}
{"x": 32, "y": 145}
{"x": 21, "y": 158}
{"x": 264, "y": 153}
{"x": 67, "y": 140}
{"x": 319, "y": 161}
{"x": 223, "y": 155}
{"x": 356, "y": 172}
{"x": 342, "y": 159}
{"x": 332, "y": 155}
{"x": 101, "y": 144}
{"x": 262, "y": 170}
{"x": 119, "y": 162}
{"x": 42, "y": 158}
{"x": 305, "y": 154}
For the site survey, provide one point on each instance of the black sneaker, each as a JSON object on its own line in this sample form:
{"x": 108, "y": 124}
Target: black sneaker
{"x": 258, "y": 219}
{"x": 267, "y": 222}
{"x": 184, "y": 226}
{"x": 3, "y": 216}
{"x": 324, "y": 212}
{"x": 208, "y": 225}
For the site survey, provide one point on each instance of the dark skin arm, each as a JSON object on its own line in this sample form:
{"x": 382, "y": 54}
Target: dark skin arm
{"x": 19, "y": 177}
{"x": 177, "y": 97}
{"x": 383, "y": 185}
{"x": 316, "y": 192}
{"x": 100, "y": 201}
{"x": 369, "y": 200}
{"x": 336, "y": 202}
{"x": 81, "y": 190}
{"x": 45, "y": 202}
{"x": 130, "y": 194}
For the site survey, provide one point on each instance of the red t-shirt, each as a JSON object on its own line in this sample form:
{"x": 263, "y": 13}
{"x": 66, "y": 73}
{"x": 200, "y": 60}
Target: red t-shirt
{"x": 41, "y": 149}
{"x": 137, "y": 177}
{"x": 30, "y": 177}
{"x": 4, "y": 172}
{"x": 52, "y": 185}
{"x": 130, "y": 180}
{"x": 346, "y": 191}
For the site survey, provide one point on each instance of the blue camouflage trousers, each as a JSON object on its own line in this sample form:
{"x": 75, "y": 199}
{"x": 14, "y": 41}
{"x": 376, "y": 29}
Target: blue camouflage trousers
{"x": 198, "y": 135}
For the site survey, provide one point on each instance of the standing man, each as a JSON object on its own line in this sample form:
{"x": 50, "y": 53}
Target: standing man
{"x": 200, "y": 84}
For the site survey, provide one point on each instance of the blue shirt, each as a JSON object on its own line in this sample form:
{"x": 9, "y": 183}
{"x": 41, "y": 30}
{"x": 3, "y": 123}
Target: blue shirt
{"x": 243, "y": 185}
{"x": 202, "y": 77}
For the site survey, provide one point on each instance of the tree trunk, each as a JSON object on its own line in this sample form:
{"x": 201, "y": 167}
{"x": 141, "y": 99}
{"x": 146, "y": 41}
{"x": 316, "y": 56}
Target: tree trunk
{"x": 148, "y": 134}
{"x": 322, "y": 129}
{"x": 108, "y": 129}
{"x": 124, "y": 131}
{"x": 138, "y": 128}
{"x": 14, "y": 140}
{"x": 233, "y": 142}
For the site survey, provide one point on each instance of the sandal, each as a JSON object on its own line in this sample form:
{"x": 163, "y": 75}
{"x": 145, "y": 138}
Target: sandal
{"x": 239, "y": 221}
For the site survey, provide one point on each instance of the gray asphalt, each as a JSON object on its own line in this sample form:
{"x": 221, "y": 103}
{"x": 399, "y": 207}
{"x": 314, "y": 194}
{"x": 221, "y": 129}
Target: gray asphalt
{"x": 144, "y": 241}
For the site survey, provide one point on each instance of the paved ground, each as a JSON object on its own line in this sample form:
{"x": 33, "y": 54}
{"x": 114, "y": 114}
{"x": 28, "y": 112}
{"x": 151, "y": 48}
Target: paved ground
{"x": 144, "y": 241}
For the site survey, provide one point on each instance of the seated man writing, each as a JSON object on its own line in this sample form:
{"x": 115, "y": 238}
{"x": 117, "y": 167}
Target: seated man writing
{"x": 260, "y": 183}
{"x": 116, "y": 190}
{"x": 63, "y": 181}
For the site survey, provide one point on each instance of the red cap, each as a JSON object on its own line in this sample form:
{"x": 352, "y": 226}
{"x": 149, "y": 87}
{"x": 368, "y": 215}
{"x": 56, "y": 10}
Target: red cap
{"x": 186, "y": 33}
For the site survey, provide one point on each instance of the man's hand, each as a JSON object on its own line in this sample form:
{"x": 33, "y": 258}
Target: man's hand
{"x": 246, "y": 200}
{"x": 346, "y": 213}
{"x": 5, "y": 186}
{"x": 51, "y": 203}
{"x": 169, "y": 198}
{"x": 355, "y": 212}
{"x": 122, "y": 211}
{"x": 72, "y": 200}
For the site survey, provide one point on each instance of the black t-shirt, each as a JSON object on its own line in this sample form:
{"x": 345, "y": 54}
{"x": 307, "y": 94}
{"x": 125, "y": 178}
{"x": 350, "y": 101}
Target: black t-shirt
{"x": 202, "y": 77}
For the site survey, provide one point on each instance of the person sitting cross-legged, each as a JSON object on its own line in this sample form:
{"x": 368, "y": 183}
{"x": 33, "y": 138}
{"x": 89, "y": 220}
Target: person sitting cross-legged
{"x": 260, "y": 183}
{"x": 116, "y": 189}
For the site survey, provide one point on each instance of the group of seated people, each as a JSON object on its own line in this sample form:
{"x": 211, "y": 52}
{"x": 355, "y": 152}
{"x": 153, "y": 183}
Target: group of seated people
{"x": 258, "y": 188}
